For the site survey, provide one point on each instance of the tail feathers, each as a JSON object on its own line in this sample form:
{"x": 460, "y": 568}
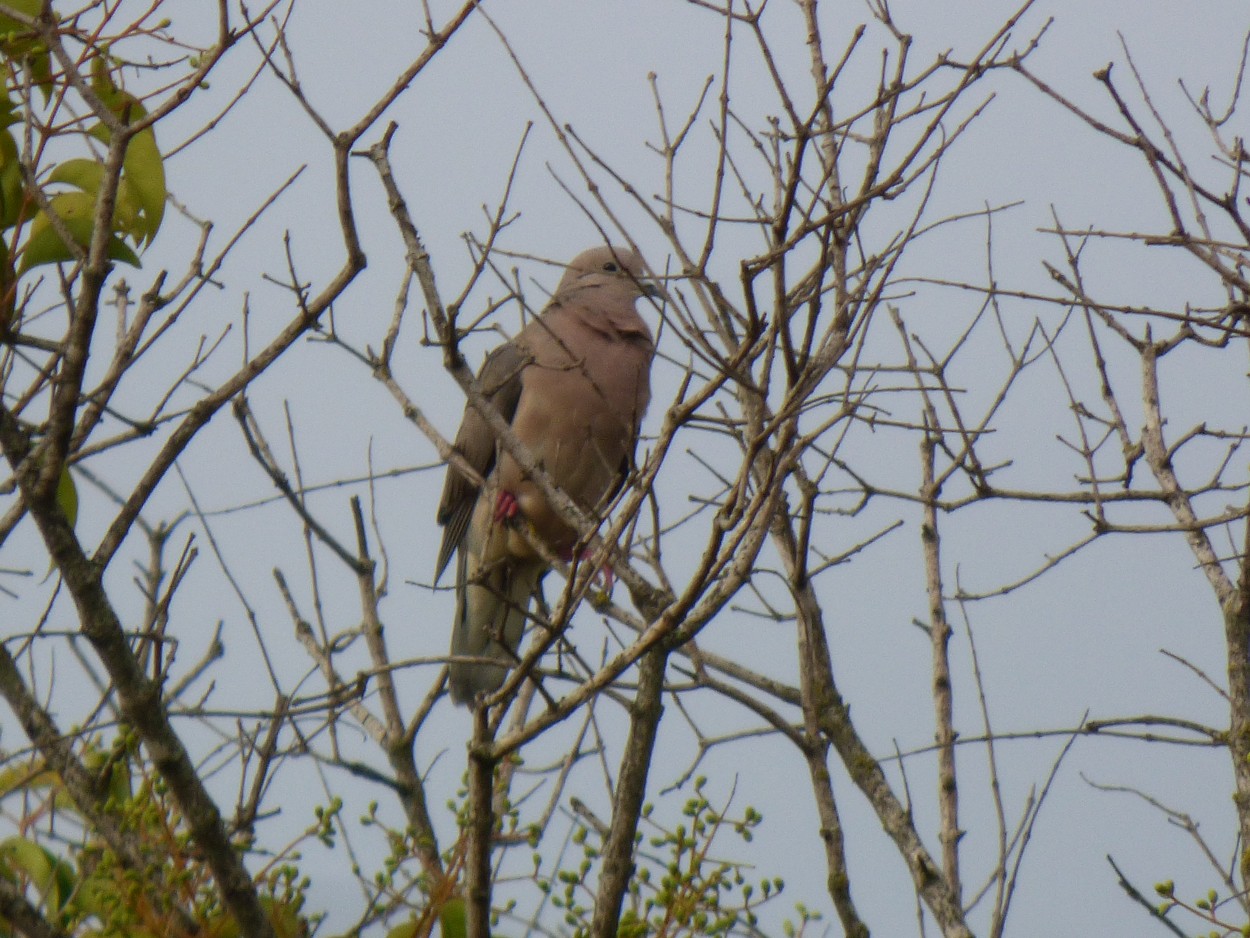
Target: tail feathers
{"x": 491, "y": 606}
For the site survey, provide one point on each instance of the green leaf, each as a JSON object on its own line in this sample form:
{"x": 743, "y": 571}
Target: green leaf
{"x": 84, "y": 174}
{"x": 143, "y": 178}
{"x": 76, "y": 210}
{"x": 53, "y": 877}
{"x": 88, "y": 175}
{"x": 408, "y": 929}
{"x": 143, "y": 169}
{"x": 8, "y": 112}
{"x": 27, "y": 776}
{"x": 452, "y": 918}
{"x": 12, "y": 188}
{"x": 34, "y": 776}
{"x": 143, "y": 172}
{"x": 285, "y": 917}
{"x": 13, "y": 31}
{"x": 67, "y": 496}
{"x": 631, "y": 926}
{"x": 22, "y": 45}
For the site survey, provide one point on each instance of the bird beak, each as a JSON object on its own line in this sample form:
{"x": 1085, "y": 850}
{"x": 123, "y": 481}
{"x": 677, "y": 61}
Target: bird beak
{"x": 652, "y": 289}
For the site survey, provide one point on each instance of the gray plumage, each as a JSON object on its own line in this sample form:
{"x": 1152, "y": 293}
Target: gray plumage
{"x": 574, "y": 385}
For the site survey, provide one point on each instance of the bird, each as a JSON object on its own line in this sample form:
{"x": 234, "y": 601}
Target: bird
{"x": 573, "y": 385}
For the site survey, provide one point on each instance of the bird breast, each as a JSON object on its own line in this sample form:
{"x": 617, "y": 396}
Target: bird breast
{"x": 580, "y": 429}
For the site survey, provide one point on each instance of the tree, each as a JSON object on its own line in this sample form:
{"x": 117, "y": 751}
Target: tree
{"x": 847, "y": 412}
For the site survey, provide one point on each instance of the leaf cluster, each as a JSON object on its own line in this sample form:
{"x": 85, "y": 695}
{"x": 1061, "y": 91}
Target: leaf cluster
{"x": 680, "y": 886}
{"x": 80, "y": 885}
{"x": 49, "y": 207}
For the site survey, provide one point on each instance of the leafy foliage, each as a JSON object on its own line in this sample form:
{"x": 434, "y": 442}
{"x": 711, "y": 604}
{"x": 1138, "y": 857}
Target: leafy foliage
{"x": 1212, "y": 910}
{"x": 681, "y": 887}
{"x": 48, "y": 209}
{"x": 83, "y": 887}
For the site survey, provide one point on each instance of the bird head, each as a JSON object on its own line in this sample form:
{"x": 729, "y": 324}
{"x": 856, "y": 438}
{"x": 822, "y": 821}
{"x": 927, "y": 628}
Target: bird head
{"x": 608, "y": 265}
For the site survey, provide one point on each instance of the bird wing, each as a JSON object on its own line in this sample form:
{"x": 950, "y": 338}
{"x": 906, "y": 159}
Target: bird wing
{"x": 500, "y": 381}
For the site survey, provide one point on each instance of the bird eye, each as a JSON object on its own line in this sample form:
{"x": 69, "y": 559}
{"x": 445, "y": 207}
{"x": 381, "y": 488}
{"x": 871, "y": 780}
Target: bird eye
{"x": 611, "y": 267}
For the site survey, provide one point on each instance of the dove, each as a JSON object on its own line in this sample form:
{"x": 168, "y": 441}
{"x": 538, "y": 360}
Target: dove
{"x": 573, "y": 384}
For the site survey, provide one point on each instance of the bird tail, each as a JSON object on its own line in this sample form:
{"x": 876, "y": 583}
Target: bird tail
{"x": 492, "y": 601}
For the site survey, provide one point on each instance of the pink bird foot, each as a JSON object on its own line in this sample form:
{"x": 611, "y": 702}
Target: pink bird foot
{"x": 506, "y": 507}
{"x": 606, "y": 575}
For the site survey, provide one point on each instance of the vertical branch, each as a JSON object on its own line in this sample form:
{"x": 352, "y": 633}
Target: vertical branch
{"x": 631, "y": 788}
{"x": 827, "y": 716}
{"x": 866, "y": 772}
{"x": 823, "y": 124}
{"x": 940, "y": 634}
{"x": 837, "y": 876}
{"x": 1232, "y": 599}
{"x": 373, "y": 626}
{"x": 939, "y": 627}
{"x": 1237, "y": 641}
{"x": 397, "y": 742}
{"x": 481, "y": 827}
{"x": 815, "y": 744}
